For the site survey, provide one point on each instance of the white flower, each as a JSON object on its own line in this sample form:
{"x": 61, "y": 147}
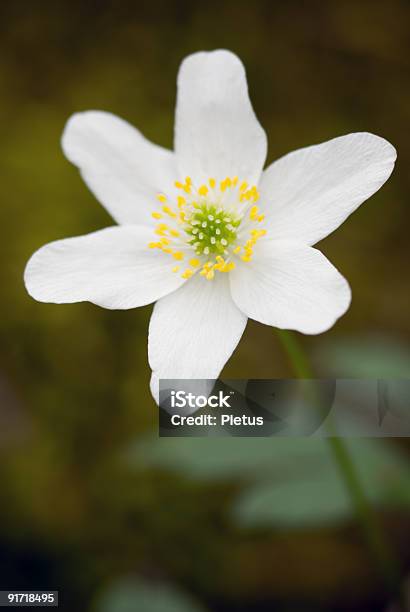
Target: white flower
{"x": 204, "y": 231}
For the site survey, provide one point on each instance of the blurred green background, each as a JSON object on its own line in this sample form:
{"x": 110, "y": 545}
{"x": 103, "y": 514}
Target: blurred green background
{"x": 92, "y": 502}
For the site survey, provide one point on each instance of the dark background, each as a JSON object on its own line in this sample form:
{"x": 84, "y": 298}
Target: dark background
{"x": 92, "y": 503}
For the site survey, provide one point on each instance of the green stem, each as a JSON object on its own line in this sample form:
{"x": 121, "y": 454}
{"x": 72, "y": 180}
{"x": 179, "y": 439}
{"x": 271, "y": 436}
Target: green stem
{"x": 378, "y": 545}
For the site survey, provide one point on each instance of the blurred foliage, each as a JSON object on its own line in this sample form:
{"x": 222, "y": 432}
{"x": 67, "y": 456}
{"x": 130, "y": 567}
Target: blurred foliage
{"x": 371, "y": 356}
{"x": 130, "y": 595}
{"x": 288, "y": 483}
{"x": 74, "y": 379}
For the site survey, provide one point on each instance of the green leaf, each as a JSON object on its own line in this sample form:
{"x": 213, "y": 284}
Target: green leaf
{"x": 293, "y": 504}
{"x": 317, "y": 495}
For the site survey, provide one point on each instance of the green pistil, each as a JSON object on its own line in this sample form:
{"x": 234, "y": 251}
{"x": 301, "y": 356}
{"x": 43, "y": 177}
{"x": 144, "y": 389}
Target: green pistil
{"x": 211, "y": 229}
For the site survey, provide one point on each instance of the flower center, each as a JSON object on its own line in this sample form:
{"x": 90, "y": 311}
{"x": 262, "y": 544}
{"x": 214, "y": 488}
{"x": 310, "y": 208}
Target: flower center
{"x": 211, "y": 230}
{"x": 210, "y": 226}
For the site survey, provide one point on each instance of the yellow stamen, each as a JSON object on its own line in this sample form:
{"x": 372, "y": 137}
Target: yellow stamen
{"x": 212, "y": 182}
{"x": 168, "y": 211}
{"x": 178, "y": 255}
{"x": 206, "y": 268}
{"x": 254, "y": 194}
{"x": 203, "y": 190}
{"x": 194, "y": 263}
{"x": 253, "y": 213}
{"x": 174, "y": 233}
{"x": 161, "y": 229}
{"x": 188, "y": 273}
{"x": 156, "y": 215}
{"x": 230, "y": 266}
{"x": 175, "y": 268}
{"x": 221, "y": 263}
{"x": 161, "y": 197}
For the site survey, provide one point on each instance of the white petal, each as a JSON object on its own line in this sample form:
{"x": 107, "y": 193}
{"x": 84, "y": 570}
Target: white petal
{"x": 154, "y": 386}
{"x": 113, "y": 268}
{"x": 307, "y": 194}
{"x": 194, "y": 331}
{"x": 216, "y": 131}
{"x": 291, "y": 287}
{"x": 122, "y": 168}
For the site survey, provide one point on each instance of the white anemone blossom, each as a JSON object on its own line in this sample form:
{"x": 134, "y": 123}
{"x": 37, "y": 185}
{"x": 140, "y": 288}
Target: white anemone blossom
{"x": 205, "y": 231}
